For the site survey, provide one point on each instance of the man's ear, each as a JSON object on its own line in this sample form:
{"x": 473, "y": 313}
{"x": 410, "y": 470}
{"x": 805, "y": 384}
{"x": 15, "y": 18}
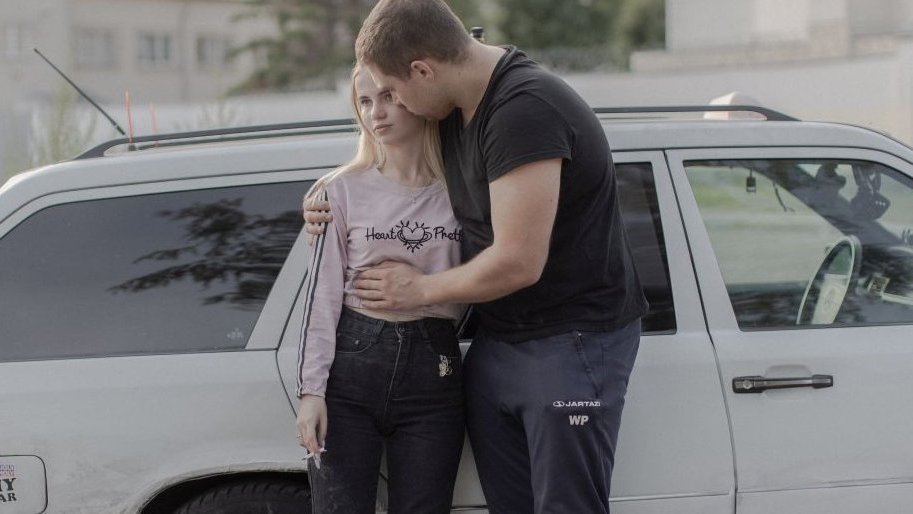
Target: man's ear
{"x": 422, "y": 69}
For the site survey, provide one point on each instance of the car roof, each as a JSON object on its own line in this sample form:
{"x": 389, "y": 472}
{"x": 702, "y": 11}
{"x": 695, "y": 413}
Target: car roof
{"x": 327, "y": 149}
{"x": 669, "y": 135}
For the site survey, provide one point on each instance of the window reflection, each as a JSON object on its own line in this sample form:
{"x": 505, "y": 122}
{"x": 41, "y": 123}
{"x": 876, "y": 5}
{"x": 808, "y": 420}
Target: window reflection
{"x": 172, "y": 272}
{"x": 640, "y": 210}
{"x": 782, "y": 248}
{"x": 223, "y": 245}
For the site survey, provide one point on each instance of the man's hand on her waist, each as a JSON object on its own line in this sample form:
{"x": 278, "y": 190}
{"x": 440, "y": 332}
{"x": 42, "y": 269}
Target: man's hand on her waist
{"x": 390, "y": 286}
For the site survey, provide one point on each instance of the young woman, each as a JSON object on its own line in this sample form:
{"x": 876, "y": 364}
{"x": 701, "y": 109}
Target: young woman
{"x": 369, "y": 379}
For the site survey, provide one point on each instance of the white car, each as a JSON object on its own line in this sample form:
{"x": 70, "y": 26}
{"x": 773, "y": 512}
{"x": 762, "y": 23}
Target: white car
{"x": 151, "y": 307}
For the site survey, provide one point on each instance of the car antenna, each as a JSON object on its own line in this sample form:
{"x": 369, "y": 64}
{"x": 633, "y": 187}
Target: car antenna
{"x": 81, "y": 92}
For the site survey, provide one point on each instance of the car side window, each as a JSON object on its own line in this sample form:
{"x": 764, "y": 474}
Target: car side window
{"x": 640, "y": 211}
{"x": 172, "y": 272}
{"x": 809, "y": 242}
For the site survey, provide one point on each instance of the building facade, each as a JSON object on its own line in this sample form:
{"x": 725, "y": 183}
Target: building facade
{"x": 721, "y": 33}
{"x": 158, "y": 50}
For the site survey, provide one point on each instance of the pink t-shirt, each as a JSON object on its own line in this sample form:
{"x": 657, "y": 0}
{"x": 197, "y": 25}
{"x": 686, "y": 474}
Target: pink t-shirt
{"x": 374, "y": 219}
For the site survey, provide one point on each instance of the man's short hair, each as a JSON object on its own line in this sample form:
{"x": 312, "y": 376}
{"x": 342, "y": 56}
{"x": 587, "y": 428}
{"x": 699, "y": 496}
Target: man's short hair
{"x": 398, "y": 32}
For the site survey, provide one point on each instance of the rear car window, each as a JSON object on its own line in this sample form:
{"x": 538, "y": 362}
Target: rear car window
{"x": 173, "y": 272}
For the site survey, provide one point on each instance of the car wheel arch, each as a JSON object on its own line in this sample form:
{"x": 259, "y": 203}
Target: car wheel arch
{"x": 167, "y": 499}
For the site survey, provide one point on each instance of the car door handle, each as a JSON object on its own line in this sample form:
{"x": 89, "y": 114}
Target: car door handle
{"x": 759, "y": 384}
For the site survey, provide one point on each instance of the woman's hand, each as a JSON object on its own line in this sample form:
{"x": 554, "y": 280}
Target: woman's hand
{"x": 312, "y": 423}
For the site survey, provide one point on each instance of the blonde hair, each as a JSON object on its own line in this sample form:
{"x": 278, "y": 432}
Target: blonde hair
{"x": 370, "y": 152}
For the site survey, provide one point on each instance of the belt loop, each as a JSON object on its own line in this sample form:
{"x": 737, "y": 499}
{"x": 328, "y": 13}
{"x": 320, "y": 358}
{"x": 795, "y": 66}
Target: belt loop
{"x": 378, "y": 327}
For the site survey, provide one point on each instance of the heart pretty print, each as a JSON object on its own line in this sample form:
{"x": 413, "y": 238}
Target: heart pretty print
{"x": 413, "y": 236}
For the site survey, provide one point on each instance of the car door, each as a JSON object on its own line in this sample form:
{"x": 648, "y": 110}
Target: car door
{"x": 138, "y": 341}
{"x": 674, "y": 452}
{"x": 803, "y": 257}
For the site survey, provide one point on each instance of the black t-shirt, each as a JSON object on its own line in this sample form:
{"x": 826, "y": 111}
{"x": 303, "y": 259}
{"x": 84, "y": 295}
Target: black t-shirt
{"x": 526, "y": 115}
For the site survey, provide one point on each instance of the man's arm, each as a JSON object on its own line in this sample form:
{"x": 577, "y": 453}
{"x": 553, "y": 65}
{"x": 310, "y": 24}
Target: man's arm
{"x": 524, "y": 202}
{"x": 316, "y": 216}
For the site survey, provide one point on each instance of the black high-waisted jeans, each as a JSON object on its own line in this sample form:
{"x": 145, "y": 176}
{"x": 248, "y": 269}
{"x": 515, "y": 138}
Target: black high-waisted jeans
{"x": 397, "y": 384}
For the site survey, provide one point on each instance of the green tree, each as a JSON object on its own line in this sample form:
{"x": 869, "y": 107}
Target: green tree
{"x": 309, "y": 43}
{"x": 540, "y": 24}
{"x": 57, "y": 132}
{"x": 313, "y": 41}
{"x": 582, "y": 34}
{"x": 641, "y": 24}
{"x": 62, "y": 131}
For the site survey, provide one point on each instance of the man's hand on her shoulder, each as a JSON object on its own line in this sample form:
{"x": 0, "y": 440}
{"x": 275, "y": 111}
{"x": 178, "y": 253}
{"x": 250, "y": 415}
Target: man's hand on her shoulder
{"x": 316, "y": 216}
{"x": 390, "y": 286}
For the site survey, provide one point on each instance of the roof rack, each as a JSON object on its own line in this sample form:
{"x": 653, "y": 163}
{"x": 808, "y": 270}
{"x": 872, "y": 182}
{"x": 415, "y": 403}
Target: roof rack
{"x": 349, "y": 125}
{"x": 219, "y": 135}
{"x": 770, "y": 114}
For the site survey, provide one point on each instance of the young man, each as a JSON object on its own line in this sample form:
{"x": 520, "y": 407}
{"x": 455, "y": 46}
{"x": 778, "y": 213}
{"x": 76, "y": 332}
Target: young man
{"x": 545, "y": 257}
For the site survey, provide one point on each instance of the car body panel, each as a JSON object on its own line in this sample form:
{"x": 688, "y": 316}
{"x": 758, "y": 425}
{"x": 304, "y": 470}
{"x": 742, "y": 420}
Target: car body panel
{"x": 107, "y": 427}
{"x": 825, "y": 442}
{"x": 675, "y": 378}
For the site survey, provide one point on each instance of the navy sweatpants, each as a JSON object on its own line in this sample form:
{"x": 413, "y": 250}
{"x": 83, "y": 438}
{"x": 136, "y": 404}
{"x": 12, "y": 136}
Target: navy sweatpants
{"x": 543, "y": 418}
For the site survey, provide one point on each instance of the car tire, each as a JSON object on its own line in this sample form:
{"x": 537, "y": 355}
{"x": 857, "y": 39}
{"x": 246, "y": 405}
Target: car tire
{"x": 251, "y": 497}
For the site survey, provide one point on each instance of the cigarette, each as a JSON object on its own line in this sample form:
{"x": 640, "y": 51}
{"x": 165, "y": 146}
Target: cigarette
{"x": 316, "y": 456}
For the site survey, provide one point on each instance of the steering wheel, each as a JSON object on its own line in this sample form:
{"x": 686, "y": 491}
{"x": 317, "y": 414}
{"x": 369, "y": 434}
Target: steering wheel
{"x": 826, "y": 291}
